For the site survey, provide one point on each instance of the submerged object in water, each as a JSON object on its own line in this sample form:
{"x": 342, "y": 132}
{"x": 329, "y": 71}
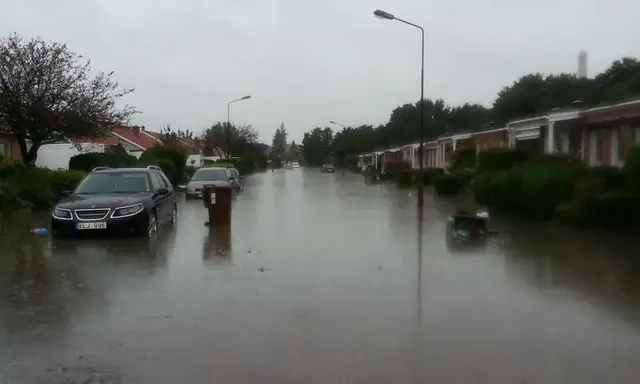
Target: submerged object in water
{"x": 466, "y": 226}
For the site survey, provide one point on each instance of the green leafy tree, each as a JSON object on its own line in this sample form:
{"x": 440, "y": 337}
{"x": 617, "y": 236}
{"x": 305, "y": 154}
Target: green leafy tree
{"x": 528, "y": 96}
{"x": 279, "y": 141}
{"x": 316, "y": 146}
{"x": 216, "y": 140}
{"x": 48, "y": 94}
{"x": 177, "y": 138}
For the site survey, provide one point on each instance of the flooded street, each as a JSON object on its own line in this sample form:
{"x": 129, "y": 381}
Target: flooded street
{"x": 321, "y": 279}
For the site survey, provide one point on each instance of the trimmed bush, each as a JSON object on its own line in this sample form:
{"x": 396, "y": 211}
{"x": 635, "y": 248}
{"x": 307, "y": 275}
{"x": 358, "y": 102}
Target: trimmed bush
{"x": 429, "y": 175}
{"x": 573, "y": 214}
{"x": 452, "y": 183}
{"x": 65, "y": 181}
{"x": 463, "y": 159}
{"x": 22, "y": 186}
{"x": 85, "y": 162}
{"x": 632, "y": 168}
{"x": 501, "y": 159}
{"x": 615, "y": 209}
{"x": 169, "y": 169}
{"x": 115, "y": 157}
{"x": 404, "y": 177}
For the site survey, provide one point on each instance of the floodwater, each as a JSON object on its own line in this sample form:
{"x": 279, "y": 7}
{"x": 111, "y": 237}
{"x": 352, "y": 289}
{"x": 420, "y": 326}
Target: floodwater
{"x": 321, "y": 279}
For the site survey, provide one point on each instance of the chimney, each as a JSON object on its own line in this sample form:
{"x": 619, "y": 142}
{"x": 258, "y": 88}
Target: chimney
{"x": 142, "y": 128}
{"x": 136, "y": 130}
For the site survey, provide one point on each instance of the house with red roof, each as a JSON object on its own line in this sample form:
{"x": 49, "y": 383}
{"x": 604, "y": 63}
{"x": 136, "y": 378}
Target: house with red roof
{"x": 135, "y": 139}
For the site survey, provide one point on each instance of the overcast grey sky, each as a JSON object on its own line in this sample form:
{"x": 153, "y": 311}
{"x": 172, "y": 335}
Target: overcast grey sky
{"x": 307, "y": 62}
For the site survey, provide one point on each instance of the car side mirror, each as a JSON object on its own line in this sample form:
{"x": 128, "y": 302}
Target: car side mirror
{"x": 66, "y": 193}
{"x": 161, "y": 191}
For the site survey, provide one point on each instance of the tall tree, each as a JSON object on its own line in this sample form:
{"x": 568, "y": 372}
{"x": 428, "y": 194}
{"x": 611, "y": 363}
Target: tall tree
{"x": 316, "y": 146}
{"x": 216, "y": 142}
{"x": 47, "y": 94}
{"x": 279, "y": 141}
{"x": 177, "y": 138}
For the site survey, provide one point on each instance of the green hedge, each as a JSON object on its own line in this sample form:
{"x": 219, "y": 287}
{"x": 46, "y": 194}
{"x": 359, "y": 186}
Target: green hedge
{"x": 501, "y": 159}
{"x": 452, "y": 183}
{"x": 116, "y": 157}
{"x": 406, "y": 176}
{"x": 464, "y": 159}
{"x": 39, "y": 188}
{"x": 562, "y": 188}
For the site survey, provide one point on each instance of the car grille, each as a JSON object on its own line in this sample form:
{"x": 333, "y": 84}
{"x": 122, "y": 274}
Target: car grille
{"x": 92, "y": 214}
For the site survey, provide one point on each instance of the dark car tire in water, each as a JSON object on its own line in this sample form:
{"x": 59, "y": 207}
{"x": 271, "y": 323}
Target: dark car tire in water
{"x": 174, "y": 215}
{"x": 151, "y": 229}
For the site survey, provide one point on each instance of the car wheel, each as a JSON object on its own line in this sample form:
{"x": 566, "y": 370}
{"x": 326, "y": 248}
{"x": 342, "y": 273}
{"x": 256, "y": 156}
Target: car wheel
{"x": 152, "y": 226}
{"x": 174, "y": 215}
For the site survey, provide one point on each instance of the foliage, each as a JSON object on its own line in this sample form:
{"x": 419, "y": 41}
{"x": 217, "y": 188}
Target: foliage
{"x": 115, "y": 157}
{"x": 228, "y": 140}
{"x": 452, "y": 183}
{"x": 178, "y": 139}
{"x": 161, "y": 156}
{"x": 31, "y": 187}
{"x": 529, "y": 95}
{"x": 72, "y": 104}
{"x": 463, "y": 159}
{"x": 632, "y": 168}
{"x": 501, "y": 159}
{"x": 316, "y": 146}
{"x": 279, "y": 143}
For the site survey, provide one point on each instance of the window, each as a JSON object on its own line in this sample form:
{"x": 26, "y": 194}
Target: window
{"x": 161, "y": 182}
{"x": 114, "y": 182}
{"x": 210, "y": 174}
{"x": 166, "y": 180}
{"x": 155, "y": 181}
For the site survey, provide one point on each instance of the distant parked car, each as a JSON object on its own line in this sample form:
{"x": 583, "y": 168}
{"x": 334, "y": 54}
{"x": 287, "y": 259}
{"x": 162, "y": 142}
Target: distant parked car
{"x": 295, "y": 164}
{"x": 288, "y": 165}
{"x": 327, "y": 168}
{"x": 217, "y": 176}
{"x": 128, "y": 200}
{"x": 239, "y": 180}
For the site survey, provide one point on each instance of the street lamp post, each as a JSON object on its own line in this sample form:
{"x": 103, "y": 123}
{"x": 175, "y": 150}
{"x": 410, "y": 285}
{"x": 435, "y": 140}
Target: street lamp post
{"x": 388, "y": 16}
{"x": 229, "y": 122}
{"x": 333, "y": 122}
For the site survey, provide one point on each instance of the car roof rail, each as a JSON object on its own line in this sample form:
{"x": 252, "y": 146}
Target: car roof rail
{"x": 154, "y": 167}
{"x": 100, "y": 169}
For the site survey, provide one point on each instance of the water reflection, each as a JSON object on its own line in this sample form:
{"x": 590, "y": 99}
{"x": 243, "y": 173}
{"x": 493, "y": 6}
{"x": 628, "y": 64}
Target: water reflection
{"x": 217, "y": 244}
{"x": 582, "y": 264}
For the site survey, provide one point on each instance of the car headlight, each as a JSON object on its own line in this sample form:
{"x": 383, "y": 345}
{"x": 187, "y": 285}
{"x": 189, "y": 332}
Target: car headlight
{"x": 62, "y": 214}
{"x": 129, "y": 210}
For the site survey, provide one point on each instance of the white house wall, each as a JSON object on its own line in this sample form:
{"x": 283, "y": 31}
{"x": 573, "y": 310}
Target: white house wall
{"x": 55, "y": 156}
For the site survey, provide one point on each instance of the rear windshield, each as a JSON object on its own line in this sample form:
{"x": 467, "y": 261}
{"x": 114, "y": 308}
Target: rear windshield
{"x": 116, "y": 182}
{"x": 210, "y": 174}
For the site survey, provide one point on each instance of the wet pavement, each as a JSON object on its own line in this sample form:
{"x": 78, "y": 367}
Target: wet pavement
{"x": 321, "y": 279}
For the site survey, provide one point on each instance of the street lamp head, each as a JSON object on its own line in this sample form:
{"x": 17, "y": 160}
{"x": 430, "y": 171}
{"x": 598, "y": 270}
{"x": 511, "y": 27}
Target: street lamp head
{"x": 246, "y": 97}
{"x": 383, "y": 15}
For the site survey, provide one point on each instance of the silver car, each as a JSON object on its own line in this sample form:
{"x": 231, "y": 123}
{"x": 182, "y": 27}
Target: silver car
{"x": 220, "y": 177}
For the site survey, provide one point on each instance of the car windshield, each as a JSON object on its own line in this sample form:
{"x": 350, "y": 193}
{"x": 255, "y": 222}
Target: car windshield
{"x": 210, "y": 174}
{"x": 114, "y": 182}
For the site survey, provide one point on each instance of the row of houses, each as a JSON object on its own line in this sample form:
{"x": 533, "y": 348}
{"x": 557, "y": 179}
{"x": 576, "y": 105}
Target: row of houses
{"x": 135, "y": 140}
{"x": 598, "y": 136}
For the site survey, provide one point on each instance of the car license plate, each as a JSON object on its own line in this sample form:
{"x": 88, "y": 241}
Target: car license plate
{"x": 96, "y": 225}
